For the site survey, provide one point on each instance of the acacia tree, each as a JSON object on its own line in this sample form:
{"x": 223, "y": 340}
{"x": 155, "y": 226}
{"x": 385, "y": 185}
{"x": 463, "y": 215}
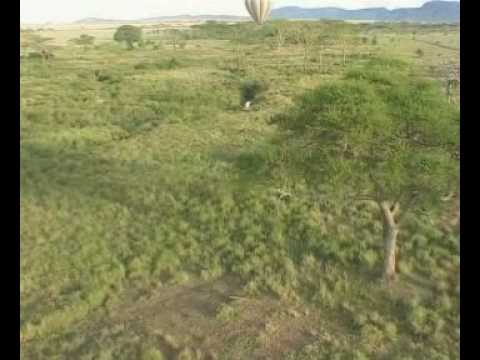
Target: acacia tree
{"x": 39, "y": 44}
{"x": 84, "y": 40}
{"x": 128, "y": 34}
{"x": 376, "y": 136}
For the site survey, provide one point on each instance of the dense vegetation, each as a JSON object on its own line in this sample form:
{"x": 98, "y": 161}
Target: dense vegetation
{"x": 142, "y": 179}
{"x": 377, "y": 136}
{"x": 129, "y": 35}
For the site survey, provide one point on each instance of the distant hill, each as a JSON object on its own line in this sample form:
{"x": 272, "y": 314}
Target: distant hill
{"x": 431, "y": 12}
{"x": 165, "y": 19}
{"x": 93, "y": 20}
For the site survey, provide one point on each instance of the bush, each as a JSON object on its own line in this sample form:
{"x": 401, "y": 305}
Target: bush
{"x": 160, "y": 65}
{"x": 250, "y": 89}
{"x": 182, "y": 44}
{"x": 152, "y": 354}
{"x": 142, "y": 66}
{"x": 358, "y": 355}
{"x": 35, "y": 55}
{"x": 420, "y": 241}
{"x": 390, "y": 330}
{"x": 84, "y": 40}
{"x": 420, "y": 52}
{"x": 46, "y": 55}
{"x": 369, "y": 258}
{"x": 189, "y": 354}
{"x": 372, "y": 336}
{"x": 417, "y": 318}
{"x": 226, "y": 313}
{"x": 360, "y": 320}
{"x": 404, "y": 267}
{"x": 105, "y": 76}
{"x": 169, "y": 65}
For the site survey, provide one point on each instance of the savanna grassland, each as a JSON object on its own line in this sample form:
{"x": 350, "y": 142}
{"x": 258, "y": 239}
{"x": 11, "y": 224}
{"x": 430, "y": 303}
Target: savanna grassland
{"x": 151, "y": 228}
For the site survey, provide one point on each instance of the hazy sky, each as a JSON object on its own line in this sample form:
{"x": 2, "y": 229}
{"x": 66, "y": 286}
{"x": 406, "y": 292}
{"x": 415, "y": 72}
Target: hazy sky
{"x": 68, "y": 10}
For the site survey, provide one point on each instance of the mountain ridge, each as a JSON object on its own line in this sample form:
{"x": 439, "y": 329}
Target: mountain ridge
{"x": 432, "y": 12}
{"x": 436, "y": 11}
{"x": 92, "y": 20}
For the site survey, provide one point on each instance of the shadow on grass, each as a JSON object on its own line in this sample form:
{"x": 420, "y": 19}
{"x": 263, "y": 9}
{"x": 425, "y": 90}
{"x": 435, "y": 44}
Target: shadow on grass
{"x": 68, "y": 173}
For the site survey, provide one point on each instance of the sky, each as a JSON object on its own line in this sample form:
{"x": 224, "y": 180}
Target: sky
{"x": 35, "y": 11}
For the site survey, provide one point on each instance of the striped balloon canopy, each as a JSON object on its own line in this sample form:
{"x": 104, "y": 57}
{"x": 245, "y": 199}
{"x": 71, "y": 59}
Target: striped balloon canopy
{"x": 258, "y": 10}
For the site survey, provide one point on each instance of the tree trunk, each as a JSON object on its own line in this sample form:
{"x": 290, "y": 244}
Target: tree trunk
{"x": 390, "y": 233}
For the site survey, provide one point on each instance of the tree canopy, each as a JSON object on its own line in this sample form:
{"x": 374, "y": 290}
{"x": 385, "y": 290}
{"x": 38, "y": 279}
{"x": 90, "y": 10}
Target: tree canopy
{"x": 84, "y": 40}
{"x": 128, "y": 34}
{"x": 378, "y": 131}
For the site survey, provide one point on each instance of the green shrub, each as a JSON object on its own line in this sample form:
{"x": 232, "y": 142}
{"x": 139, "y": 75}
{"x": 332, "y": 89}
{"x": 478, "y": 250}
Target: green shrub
{"x": 359, "y": 320}
{"x": 417, "y": 318}
{"x": 152, "y": 354}
{"x": 35, "y": 55}
{"x": 324, "y": 296}
{"x": 170, "y": 64}
{"x": 390, "y": 330}
{"x": 159, "y": 65}
{"x": 442, "y": 286}
{"x": 142, "y": 66}
{"x": 187, "y": 354}
{"x": 226, "y": 312}
{"x": 405, "y": 267}
{"x": 179, "y": 278}
{"x": 250, "y": 89}
{"x": 358, "y": 355}
{"x": 369, "y": 258}
{"x": 375, "y": 318}
{"x": 106, "y": 76}
{"x": 372, "y": 336}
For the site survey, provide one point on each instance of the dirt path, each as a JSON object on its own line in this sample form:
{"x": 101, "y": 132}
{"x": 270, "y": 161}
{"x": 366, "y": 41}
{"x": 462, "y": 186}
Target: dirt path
{"x": 191, "y": 317}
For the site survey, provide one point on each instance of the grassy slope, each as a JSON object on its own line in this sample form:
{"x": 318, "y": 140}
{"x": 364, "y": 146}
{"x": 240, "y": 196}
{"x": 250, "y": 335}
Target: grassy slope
{"x": 138, "y": 183}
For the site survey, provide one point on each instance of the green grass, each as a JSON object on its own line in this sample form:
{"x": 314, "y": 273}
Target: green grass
{"x": 137, "y": 174}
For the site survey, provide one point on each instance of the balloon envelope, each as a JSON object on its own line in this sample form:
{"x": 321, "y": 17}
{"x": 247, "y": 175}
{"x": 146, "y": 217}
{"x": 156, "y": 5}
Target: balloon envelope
{"x": 258, "y": 10}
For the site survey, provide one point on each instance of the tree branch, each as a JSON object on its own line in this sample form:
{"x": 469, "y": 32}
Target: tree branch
{"x": 395, "y": 208}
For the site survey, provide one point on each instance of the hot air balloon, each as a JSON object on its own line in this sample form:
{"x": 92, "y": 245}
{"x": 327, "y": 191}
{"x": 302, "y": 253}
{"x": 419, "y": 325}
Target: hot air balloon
{"x": 258, "y": 9}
